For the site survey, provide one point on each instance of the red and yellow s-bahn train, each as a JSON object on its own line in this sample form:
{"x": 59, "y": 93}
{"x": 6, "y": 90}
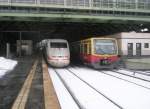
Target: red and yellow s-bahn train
{"x": 97, "y": 52}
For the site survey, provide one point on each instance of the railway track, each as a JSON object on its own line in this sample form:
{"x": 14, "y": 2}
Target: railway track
{"x": 126, "y": 77}
{"x": 127, "y": 80}
{"x": 146, "y": 73}
{"x": 68, "y": 89}
{"x": 102, "y": 78}
{"x": 76, "y": 99}
{"x": 74, "y": 80}
{"x": 132, "y": 74}
{"x": 96, "y": 90}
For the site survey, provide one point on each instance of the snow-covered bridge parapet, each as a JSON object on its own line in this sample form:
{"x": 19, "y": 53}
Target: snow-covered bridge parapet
{"x": 91, "y": 9}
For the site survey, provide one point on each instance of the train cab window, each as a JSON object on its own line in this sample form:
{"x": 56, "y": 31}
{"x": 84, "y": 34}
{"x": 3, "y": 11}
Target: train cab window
{"x": 58, "y": 45}
{"x": 146, "y": 45}
{"x": 105, "y": 46}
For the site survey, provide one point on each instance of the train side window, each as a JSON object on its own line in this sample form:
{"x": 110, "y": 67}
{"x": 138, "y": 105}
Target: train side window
{"x": 82, "y": 48}
{"x": 89, "y": 46}
{"x": 78, "y": 48}
{"x": 146, "y": 45}
{"x": 85, "y": 48}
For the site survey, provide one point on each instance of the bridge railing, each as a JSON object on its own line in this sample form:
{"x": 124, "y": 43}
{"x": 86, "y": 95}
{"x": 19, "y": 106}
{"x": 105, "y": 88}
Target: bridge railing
{"x": 88, "y": 4}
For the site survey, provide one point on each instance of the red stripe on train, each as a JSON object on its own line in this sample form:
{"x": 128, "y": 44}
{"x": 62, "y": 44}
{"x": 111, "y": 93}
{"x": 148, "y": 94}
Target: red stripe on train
{"x": 93, "y": 58}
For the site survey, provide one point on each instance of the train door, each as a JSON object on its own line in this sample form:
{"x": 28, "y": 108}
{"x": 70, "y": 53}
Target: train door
{"x": 130, "y": 49}
{"x": 138, "y": 49}
{"x": 89, "y": 48}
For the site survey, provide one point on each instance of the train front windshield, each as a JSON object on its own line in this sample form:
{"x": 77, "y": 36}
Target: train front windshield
{"x": 105, "y": 46}
{"x": 58, "y": 45}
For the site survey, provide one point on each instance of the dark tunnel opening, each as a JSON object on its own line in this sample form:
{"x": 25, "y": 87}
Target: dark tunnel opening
{"x": 11, "y": 31}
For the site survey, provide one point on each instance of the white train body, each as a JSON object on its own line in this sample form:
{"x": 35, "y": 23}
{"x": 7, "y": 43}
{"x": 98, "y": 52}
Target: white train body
{"x": 57, "y": 52}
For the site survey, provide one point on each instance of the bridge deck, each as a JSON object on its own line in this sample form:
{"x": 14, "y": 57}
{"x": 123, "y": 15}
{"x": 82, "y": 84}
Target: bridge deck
{"x": 138, "y": 10}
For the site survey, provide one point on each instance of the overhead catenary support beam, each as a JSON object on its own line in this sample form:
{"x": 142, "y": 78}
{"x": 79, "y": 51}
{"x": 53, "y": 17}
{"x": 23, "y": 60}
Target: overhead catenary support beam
{"x": 75, "y": 17}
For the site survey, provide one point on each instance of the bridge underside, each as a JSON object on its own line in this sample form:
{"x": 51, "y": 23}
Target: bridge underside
{"x": 73, "y": 19}
{"x": 71, "y": 31}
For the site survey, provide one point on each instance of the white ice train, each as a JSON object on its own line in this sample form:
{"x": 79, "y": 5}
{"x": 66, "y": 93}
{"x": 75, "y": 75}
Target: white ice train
{"x": 57, "y": 52}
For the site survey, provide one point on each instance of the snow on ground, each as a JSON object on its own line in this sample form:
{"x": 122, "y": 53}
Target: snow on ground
{"x": 65, "y": 99}
{"x": 85, "y": 96}
{"x": 135, "y": 74}
{"x": 6, "y": 65}
{"x": 131, "y": 79}
{"x": 144, "y": 72}
{"x": 126, "y": 94}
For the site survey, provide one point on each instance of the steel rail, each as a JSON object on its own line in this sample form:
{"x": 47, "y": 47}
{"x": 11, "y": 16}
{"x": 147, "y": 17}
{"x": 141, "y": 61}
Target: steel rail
{"x": 68, "y": 89}
{"x": 120, "y": 107}
{"x": 124, "y": 79}
{"x": 131, "y": 76}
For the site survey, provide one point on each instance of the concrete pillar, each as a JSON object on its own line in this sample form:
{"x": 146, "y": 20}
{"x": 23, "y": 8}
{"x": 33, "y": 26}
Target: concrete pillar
{"x": 37, "y": 2}
{"x": 7, "y": 50}
{"x": 9, "y": 2}
{"x": 136, "y": 4}
{"x": 90, "y": 3}
{"x": 114, "y": 3}
{"x": 20, "y": 43}
{"x": 65, "y": 3}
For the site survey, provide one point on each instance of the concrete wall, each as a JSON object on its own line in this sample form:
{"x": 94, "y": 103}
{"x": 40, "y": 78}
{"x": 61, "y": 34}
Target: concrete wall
{"x": 125, "y": 38}
{"x": 144, "y": 51}
{"x": 25, "y": 46}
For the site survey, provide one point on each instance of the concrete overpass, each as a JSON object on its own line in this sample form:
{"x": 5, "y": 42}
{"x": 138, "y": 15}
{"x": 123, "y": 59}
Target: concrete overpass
{"x": 121, "y": 11}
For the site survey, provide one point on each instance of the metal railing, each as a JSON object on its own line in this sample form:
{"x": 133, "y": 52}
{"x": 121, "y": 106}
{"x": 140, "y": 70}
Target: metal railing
{"x": 106, "y": 9}
{"x": 91, "y": 4}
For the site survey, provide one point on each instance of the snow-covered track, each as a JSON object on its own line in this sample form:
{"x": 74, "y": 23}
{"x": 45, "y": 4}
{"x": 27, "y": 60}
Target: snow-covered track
{"x": 93, "y": 89}
{"x": 100, "y": 100}
{"x": 123, "y": 92}
{"x": 68, "y": 89}
{"x": 134, "y": 74}
{"x": 96, "y": 89}
{"x": 146, "y": 73}
{"x": 128, "y": 78}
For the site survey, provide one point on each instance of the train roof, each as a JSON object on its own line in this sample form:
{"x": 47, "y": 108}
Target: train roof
{"x": 92, "y": 39}
{"x": 59, "y": 40}
{"x": 97, "y": 38}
